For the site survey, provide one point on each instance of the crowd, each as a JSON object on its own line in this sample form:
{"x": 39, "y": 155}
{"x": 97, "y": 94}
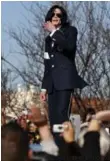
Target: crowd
{"x": 30, "y": 138}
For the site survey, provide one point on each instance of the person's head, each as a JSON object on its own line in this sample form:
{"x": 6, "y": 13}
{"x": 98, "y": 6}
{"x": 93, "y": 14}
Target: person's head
{"x": 14, "y": 143}
{"x": 57, "y": 15}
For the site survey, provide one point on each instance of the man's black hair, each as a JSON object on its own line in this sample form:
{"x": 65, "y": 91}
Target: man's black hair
{"x": 64, "y": 17}
{"x": 14, "y": 142}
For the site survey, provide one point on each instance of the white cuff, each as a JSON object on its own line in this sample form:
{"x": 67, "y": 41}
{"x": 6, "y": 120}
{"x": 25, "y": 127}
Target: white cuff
{"x": 52, "y": 33}
{"x": 49, "y": 147}
{"x": 43, "y": 90}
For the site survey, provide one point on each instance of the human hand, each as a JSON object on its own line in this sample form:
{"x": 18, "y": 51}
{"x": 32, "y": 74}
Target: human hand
{"x": 49, "y": 26}
{"x": 103, "y": 115}
{"x": 43, "y": 96}
{"x": 94, "y": 125}
{"x": 45, "y": 132}
{"x": 69, "y": 132}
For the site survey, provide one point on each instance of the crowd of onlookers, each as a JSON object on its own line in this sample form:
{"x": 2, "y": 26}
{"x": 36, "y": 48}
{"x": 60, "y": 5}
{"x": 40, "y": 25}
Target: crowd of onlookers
{"x": 28, "y": 138}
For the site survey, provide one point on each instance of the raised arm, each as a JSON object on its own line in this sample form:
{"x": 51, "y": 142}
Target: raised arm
{"x": 68, "y": 41}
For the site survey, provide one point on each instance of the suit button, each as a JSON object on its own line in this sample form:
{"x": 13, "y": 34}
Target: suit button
{"x": 52, "y": 56}
{"x": 53, "y": 66}
{"x": 54, "y": 39}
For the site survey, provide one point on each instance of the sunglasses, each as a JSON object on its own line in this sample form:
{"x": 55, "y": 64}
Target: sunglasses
{"x": 59, "y": 15}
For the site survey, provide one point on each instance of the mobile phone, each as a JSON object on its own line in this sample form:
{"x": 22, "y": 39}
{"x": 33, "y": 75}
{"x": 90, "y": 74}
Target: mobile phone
{"x": 58, "y": 128}
{"x": 76, "y": 122}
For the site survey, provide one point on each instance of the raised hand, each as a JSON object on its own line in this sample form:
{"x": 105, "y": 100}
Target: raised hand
{"x": 49, "y": 26}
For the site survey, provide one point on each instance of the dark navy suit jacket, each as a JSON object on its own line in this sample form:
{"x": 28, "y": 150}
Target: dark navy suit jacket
{"x": 60, "y": 69}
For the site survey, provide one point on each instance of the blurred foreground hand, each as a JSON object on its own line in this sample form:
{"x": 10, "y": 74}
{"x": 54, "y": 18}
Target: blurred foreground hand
{"x": 69, "y": 132}
{"x": 94, "y": 125}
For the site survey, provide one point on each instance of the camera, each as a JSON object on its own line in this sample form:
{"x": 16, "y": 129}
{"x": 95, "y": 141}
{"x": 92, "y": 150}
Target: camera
{"x": 58, "y": 128}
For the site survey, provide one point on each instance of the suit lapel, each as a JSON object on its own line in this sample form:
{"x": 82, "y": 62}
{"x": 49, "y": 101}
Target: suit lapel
{"x": 48, "y": 42}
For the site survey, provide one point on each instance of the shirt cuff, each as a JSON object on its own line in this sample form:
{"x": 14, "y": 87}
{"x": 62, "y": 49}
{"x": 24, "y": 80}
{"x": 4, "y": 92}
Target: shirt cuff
{"x": 49, "y": 147}
{"x": 52, "y": 33}
{"x": 43, "y": 90}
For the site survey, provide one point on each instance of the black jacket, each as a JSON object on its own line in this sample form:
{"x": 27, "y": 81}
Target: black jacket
{"x": 60, "y": 69}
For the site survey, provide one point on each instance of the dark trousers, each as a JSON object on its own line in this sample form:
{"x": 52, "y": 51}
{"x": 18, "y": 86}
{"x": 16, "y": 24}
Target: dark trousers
{"x": 59, "y": 109}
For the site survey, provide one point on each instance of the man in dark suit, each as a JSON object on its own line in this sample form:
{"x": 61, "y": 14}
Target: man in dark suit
{"x": 60, "y": 75}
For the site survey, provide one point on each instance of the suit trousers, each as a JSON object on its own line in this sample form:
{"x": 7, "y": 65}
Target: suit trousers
{"x": 59, "y": 110}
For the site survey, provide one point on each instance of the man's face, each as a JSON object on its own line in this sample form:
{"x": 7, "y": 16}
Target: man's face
{"x": 56, "y": 18}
